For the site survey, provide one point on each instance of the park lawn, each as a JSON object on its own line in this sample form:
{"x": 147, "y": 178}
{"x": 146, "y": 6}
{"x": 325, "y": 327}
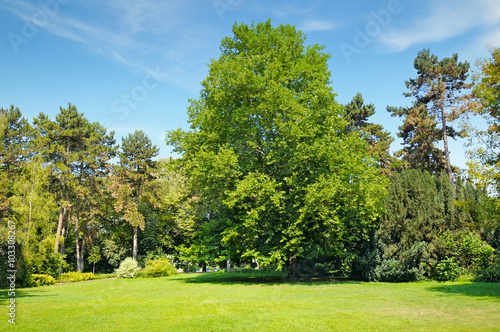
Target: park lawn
{"x": 254, "y": 302}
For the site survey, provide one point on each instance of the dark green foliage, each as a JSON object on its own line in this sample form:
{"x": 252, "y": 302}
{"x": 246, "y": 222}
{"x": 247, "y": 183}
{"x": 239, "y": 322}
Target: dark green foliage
{"x": 379, "y": 141}
{"x": 446, "y": 270}
{"x": 424, "y": 232}
{"x": 20, "y": 264}
{"x": 490, "y": 274}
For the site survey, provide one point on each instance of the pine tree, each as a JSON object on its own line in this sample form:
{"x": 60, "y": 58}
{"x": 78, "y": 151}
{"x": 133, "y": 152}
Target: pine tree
{"x": 438, "y": 100}
{"x": 357, "y": 114}
{"x": 134, "y": 180}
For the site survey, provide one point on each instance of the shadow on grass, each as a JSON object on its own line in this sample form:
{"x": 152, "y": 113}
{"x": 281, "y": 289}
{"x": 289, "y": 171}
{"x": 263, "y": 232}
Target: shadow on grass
{"x": 254, "y": 278}
{"x": 20, "y": 293}
{"x": 475, "y": 289}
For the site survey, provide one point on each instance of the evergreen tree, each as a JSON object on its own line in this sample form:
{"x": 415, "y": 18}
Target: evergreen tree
{"x": 357, "y": 114}
{"x": 438, "y": 99}
{"x": 134, "y": 180}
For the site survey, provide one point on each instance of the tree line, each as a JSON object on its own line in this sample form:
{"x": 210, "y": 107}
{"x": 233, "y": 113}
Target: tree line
{"x": 273, "y": 170}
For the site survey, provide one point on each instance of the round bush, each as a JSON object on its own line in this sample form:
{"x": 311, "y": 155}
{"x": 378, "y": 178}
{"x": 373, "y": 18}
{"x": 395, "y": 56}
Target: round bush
{"x": 159, "y": 267}
{"x": 128, "y": 268}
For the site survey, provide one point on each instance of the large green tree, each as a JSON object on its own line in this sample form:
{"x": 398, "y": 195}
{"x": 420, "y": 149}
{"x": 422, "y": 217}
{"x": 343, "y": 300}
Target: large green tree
{"x": 134, "y": 180}
{"x": 268, "y": 155}
{"x": 439, "y": 100}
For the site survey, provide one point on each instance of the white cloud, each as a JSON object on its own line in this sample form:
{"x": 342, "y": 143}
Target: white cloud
{"x": 442, "y": 20}
{"x": 317, "y": 25}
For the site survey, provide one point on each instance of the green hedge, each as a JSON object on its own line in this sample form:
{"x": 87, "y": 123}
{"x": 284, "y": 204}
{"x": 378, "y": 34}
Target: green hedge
{"x": 37, "y": 280}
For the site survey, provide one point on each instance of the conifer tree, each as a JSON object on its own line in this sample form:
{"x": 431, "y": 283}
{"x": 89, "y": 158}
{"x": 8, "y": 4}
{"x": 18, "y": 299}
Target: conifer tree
{"x": 134, "y": 180}
{"x": 379, "y": 140}
{"x": 438, "y": 102}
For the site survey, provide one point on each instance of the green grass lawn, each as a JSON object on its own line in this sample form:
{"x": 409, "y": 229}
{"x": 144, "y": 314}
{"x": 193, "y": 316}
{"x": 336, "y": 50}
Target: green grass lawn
{"x": 252, "y": 302}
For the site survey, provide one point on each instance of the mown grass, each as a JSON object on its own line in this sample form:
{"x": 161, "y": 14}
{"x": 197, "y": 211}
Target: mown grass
{"x": 254, "y": 302}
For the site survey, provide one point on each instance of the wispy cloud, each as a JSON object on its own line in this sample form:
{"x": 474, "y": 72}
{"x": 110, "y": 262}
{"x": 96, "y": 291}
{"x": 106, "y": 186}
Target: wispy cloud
{"x": 135, "y": 34}
{"x": 317, "y": 25}
{"x": 442, "y": 20}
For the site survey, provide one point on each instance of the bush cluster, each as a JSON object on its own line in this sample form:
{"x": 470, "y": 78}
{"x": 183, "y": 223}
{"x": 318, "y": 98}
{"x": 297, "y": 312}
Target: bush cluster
{"x": 75, "y": 276}
{"x": 490, "y": 274}
{"x": 37, "y": 280}
{"x": 158, "y": 267}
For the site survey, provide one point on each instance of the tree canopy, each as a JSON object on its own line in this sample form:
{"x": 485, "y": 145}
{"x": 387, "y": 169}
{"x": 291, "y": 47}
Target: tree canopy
{"x": 269, "y": 156}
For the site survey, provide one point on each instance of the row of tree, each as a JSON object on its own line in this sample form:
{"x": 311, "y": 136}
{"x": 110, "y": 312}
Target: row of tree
{"x": 273, "y": 170}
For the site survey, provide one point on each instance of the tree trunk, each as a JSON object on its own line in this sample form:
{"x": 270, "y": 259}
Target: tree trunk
{"x": 134, "y": 249}
{"x": 62, "y": 212}
{"x": 446, "y": 152}
{"x": 293, "y": 267}
{"x": 82, "y": 248}
{"x": 77, "y": 243}
{"x": 64, "y": 233}
{"x": 228, "y": 267}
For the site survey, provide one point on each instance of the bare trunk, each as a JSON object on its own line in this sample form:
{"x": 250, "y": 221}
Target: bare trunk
{"x": 447, "y": 153}
{"x": 228, "y": 268}
{"x": 64, "y": 233}
{"x": 82, "y": 248}
{"x": 77, "y": 242}
{"x": 293, "y": 267}
{"x": 134, "y": 250}
{"x": 62, "y": 212}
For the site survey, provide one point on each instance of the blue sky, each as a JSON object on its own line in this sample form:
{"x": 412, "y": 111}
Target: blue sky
{"x": 134, "y": 64}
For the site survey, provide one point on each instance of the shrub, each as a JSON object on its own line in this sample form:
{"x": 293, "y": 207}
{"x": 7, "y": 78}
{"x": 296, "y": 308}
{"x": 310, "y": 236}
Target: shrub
{"x": 490, "y": 274}
{"x": 75, "y": 276}
{"x": 446, "y": 270}
{"x": 37, "y": 280}
{"x": 159, "y": 267}
{"x": 128, "y": 268}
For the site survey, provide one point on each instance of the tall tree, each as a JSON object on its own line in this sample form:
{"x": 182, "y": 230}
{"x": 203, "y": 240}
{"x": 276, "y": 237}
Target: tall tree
{"x": 484, "y": 155}
{"x": 438, "y": 98}
{"x": 91, "y": 167}
{"x": 379, "y": 140}
{"x": 268, "y": 155}
{"x": 134, "y": 180}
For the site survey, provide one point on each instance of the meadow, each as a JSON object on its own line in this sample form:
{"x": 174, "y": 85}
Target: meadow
{"x": 254, "y": 302}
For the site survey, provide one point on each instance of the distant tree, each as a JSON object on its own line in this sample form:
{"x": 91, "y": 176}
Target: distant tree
{"x": 357, "y": 113}
{"x": 94, "y": 256}
{"x": 268, "y": 156}
{"x": 14, "y": 151}
{"x": 134, "y": 180}
{"x": 438, "y": 99}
